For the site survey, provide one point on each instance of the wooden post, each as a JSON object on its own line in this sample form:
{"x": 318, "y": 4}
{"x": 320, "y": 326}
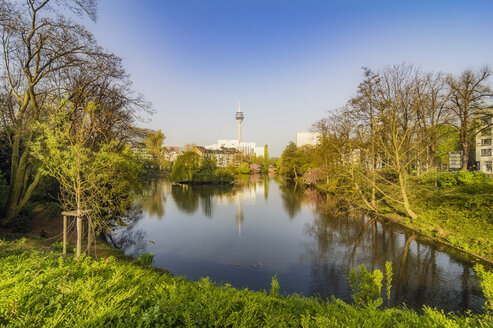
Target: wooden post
{"x": 79, "y": 235}
{"x": 89, "y": 234}
{"x": 64, "y": 235}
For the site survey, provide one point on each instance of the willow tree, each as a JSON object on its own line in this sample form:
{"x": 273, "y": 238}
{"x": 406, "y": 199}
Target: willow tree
{"x": 154, "y": 144}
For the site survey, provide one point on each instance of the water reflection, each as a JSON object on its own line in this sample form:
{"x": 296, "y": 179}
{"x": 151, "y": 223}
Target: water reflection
{"x": 309, "y": 240}
{"x": 423, "y": 274}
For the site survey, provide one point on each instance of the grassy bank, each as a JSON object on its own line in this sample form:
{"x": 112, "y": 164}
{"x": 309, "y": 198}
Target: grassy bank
{"x": 40, "y": 288}
{"x": 458, "y": 213}
{"x": 453, "y": 208}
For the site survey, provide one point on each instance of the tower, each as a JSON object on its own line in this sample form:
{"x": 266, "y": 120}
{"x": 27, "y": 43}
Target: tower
{"x": 239, "y": 118}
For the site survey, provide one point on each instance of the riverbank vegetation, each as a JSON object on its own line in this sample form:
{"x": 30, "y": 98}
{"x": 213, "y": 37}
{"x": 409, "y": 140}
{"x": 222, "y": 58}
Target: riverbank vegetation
{"x": 41, "y": 288}
{"x": 386, "y": 150}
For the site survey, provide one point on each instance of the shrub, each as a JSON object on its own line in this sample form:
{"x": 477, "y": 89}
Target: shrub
{"x": 274, "y": 289}
{"x": 467, "y": 178}
{"x": 224, "y": 176}
{"x": 446, "y": 179}
{"x": 366, "y": 286}
{"x": 146, "y": 259}
{"x": 243, "y": 169}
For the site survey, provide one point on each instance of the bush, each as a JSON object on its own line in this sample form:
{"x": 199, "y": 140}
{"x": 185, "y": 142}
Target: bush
{"x": 146, "y": 259}
{"x": 446, "y": 179}
{"x": 224, "y": 176}
{"x": 366, "y": 286}
{"x": 243, "y": 169}
{"x": 467, "y": 178}
{"x": 451, "y": 179}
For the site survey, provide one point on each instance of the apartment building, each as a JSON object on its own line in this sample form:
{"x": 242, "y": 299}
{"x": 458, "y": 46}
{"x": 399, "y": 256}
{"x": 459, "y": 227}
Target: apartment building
{"x": 484, "y": 146}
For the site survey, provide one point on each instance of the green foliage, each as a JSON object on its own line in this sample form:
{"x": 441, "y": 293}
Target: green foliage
{"x": 388, "y": 276}
{"x": 224, "y": 176}
{"x": 446, "y": 179}
{"x": 91, "y": 177}
{"x": 449, "y": 141}
{"x": 274, "y": 289}
{"x": 470, "y": 178}
{"x": 293, "y": 162}
{"x": 451, "y": 179}
{"x": 191, "y": 168}
{"x": 366, "y": 286}
{"x": 244, "y": 168}
{"x": 39, "y": 289}
{"x": 185, "y": 166}
{"x": 266, "y": 162}
{"x": 146, "y": 259}
{"x": 58, "y": 246}
{"x": 486, "y": 278}
{"x": 154, "y": 145}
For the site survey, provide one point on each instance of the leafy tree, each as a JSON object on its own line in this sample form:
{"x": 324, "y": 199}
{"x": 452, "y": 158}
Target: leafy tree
{"x": 98, "y": 180}
{"x": 244, "y": 168}
{"x": 266, "y": 162}
{"x": 185, "y": 166}
{"x": 291, "y": 161}
{"x": 49, "y": 62}
{"x": 154, "y": 144}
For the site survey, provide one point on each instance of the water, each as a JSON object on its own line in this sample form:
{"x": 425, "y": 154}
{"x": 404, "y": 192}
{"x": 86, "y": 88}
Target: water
{"x": 245, "y": 234}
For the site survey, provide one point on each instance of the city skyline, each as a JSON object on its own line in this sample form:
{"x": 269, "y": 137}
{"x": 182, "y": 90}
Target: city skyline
{"x": 288, "y": 62}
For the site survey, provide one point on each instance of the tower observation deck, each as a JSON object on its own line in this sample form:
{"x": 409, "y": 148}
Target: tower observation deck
{"x": 239, "y": 118}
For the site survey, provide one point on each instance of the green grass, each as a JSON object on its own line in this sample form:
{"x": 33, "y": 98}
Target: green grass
{"x": 460, "y": 215}
{"x": 42, "y": 289}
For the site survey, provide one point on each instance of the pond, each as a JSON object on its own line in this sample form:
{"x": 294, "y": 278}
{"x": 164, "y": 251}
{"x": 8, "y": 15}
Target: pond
{"x": 264, "y": 226}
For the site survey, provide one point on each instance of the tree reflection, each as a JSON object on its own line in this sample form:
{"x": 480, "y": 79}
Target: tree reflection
{"x": 185, "y": 198}
{"x": 266, "y": 180}
{"x": 126, "y": 236}
{"x": 339, "y": 241}
{"x": 155, "y": 198}
{"x": 292, "y": 196}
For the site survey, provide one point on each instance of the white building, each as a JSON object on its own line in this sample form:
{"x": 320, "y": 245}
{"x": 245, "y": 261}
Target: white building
{"x": 484, "y": 146}
{"x": 307, "y": 138}
{"x": 247, "y": 148}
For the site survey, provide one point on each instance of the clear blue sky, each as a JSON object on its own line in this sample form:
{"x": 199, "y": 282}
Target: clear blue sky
{"x": 289, "y": 62}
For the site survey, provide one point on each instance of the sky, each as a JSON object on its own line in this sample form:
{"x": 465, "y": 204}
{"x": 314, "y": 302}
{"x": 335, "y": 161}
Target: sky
{"x": 288, "y": 62}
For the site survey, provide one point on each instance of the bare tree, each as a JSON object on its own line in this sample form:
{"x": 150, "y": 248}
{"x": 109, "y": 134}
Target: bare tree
{"x": 49, "y": 62}
{"x": 469, "y": 97}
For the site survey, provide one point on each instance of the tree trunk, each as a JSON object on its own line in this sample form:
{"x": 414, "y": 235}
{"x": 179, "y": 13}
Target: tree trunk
{"x": 407, "y": 206}
{"x": 465, "y": 155}
{"x": 19, "y": 191}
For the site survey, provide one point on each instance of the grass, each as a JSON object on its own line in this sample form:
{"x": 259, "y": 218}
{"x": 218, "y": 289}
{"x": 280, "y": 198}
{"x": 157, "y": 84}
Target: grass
{"x": 459, "y": 215}
{"x": 39, "y": 288}
{"x": 451, "y": 209}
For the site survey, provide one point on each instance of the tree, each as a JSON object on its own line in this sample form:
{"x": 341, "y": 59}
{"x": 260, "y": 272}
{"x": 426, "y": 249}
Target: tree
{"x": 154, "y": 144}
{"x": 35, "y": 47}
{"x": 97, "y": 180}
{"x": 469, "y": 96}
{"x": 48, "y": 62}
{"x": 290, "y": 163}
{"x": 364, "y": 109}
{"x": 266, "y": 162}
{"x": 186, "y": 165}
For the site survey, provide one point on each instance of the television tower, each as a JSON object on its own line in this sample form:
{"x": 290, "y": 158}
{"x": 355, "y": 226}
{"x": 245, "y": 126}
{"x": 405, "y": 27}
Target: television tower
{"x": 239, "y": 118}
